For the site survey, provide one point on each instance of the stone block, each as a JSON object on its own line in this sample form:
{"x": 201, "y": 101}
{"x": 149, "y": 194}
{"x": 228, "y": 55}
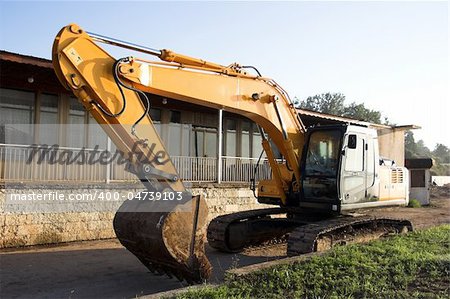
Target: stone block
{"x": 232, "y": 208}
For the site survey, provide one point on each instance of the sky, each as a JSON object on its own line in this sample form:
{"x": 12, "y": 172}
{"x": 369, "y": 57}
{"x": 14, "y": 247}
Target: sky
{"x": 391, "y": 56}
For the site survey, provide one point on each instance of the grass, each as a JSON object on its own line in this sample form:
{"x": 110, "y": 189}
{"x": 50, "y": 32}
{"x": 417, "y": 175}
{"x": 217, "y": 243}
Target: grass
{"x": 416, "y": 265}
{"x": 414, "y": 203}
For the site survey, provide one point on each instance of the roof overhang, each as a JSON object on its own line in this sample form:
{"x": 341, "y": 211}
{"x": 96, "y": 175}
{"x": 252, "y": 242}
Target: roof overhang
{"x": 341, "y": 119}
{"x": 346, "y": 120}
{"x": 406, "y": 127}
{"x": 25, "y": 59}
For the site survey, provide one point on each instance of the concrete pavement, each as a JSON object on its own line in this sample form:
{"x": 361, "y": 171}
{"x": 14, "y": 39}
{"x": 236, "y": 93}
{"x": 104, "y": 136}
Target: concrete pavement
{"x": 99, "y": 269}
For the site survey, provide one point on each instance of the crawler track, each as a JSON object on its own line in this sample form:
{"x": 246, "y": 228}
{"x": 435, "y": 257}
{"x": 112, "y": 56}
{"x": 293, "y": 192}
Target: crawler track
{"x": 306, "y": 232}
{"x": 326, "y": 234}
{"x": 234, "y": 232}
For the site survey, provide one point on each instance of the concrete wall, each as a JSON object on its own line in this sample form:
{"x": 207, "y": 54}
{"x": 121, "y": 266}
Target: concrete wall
{"x": 75, "y": 221}
{"x": 441, "y": 180}
{"x": 392, "y": 145}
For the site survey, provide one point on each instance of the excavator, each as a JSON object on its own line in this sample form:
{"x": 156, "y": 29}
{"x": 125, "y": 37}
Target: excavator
{"x": 325, "y": 171}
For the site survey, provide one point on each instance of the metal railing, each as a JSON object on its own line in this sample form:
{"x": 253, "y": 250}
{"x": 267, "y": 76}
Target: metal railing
{"x": 23, "y": 163}
{"x": 238, "y": 169}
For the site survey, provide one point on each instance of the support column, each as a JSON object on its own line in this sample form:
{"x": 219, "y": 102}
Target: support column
{"x": 108, "y": 165}
{"x": 219, "y": 150}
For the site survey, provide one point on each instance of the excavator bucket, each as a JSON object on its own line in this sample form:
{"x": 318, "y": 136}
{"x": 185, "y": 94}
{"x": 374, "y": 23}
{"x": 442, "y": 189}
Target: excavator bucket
{"x": 169, "y": 243}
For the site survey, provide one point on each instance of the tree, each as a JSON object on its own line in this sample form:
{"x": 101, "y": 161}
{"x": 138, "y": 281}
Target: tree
{"x": 415, "y": 149}
{"x": 358, "y": 111}
{"x": 331, "y": 103}
{"x": 441, "y": 153}
{"x": 410, "y": 145}
{"x": 334, "y": 103}
{"x": 422, "y": 150}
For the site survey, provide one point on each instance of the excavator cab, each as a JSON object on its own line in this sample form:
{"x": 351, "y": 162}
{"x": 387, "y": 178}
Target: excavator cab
{"x": 339, "y": 168}
{"x": 320, "y": 167}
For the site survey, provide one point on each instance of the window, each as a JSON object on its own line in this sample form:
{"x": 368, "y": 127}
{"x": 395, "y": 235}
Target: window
{"x": 198, "y": 143}
{"x": 245, "y": 139}
{"x": 175, "y": 137}
{"x": 155, "y": 115}
{"x": 323, "y": 153}
{"x": 417, "y": 178}
{"x": 48, "y": 119}
{"x": 354, "y": 158}
{"x": 76, "y": 128}
{"x": 175, "y": 117}
{"x": 322, "y": 156}
{"x": 204, "y": 143}
{"x": 210, "y": 143}
{"x": 256, "y": 142}
{"x": 96, "y": 135}
{"x": 230, "y": 137}
{"x": 49, "y": 109}
{"x": 177, "y": 134}
{"x": 16, "y": 107}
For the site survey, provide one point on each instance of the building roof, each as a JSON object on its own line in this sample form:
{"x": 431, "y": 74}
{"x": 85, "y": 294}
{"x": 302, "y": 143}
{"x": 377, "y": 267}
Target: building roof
{"x": 28, "y": 73}
{"x": 25, "y": 59}
{"x": 339, "y": 119}
{"x": 420, "y": 163}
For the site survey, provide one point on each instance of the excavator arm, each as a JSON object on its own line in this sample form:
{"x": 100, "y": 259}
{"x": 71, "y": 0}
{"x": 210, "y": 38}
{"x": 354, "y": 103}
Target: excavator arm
{"x": 114, "y": 93}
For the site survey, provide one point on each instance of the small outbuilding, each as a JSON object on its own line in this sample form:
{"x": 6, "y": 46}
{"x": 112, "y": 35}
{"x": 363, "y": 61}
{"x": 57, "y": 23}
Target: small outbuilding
{"x": 420, "y": 179}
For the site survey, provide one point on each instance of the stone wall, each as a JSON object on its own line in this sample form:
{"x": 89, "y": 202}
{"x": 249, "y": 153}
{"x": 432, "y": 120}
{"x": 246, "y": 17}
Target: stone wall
{"x": 33, "y": 223}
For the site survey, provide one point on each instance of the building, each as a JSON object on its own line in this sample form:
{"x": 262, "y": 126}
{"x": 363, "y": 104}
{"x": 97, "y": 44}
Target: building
{"x": 420, "y": 179}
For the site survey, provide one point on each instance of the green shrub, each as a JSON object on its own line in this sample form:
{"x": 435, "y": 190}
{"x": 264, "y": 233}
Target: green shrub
{"x": 414, "y": 203}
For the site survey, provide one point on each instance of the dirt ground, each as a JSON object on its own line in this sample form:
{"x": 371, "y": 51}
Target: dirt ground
{"x": 438, "y": 212}
{"x": 104, "y": 269}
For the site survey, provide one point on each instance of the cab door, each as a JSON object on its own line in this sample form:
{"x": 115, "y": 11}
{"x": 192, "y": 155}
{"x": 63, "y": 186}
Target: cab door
{"x": 353, "y": 168}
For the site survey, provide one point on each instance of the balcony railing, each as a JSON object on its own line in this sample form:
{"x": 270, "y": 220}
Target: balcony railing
{"x": 16, "y": 166}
